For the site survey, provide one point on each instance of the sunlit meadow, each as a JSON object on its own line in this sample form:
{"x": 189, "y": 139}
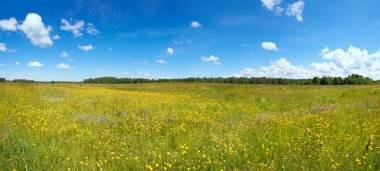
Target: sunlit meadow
{"x": 178, "y": 126}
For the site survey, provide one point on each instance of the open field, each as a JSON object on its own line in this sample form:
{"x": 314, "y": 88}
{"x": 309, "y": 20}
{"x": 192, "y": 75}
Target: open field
{"x": 177, "y": 126}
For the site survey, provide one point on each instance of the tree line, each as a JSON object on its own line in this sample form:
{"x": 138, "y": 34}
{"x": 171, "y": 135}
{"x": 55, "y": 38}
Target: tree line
{"x": 351, "y": 79}
{"x": 17, "y": 80}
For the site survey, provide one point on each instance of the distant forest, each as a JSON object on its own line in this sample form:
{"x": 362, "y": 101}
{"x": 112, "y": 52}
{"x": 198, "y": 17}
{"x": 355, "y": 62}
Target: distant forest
{"x": 353, "y": 79}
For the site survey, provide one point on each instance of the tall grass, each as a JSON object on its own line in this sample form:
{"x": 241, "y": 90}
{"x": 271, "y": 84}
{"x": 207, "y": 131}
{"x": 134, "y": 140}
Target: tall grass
{"x": 177, "y": 126}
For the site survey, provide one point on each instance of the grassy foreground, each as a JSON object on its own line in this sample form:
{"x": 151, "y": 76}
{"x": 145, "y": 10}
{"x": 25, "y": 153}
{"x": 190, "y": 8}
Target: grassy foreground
{"x": 189, "y": 127}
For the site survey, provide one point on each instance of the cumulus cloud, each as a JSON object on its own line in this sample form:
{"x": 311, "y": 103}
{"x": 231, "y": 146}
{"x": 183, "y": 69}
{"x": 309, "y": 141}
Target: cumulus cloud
{"x": 296, "y": 10}
{"x": 270, "y": 4}
{"x": 8, "y": 24}
{"x": 17, "y": 63}
{"x": 91, "y": 29}
{"x": 354, "y": 60}
{"x": 328, "y": 68}
{"x": 170, "y": 51}
{"x": 278, "y": 69}
{"x": 75, "y": 28}
{"x": 64, "y": 54}
{"x": 211, "y": 58}
{"x": 269, "y": 46}
{"x": 86, "y": 48}
{"x": 62, "y": 66}
{"x": 3, "y": 47}
{"x": 195, "y": 24}
{"x": 36, "y": 31}
{"x": 340, "y": 63}
{"x": 35, "y": 64}
{"x": 283, "y": 68}
{"x": 160, "y": 61}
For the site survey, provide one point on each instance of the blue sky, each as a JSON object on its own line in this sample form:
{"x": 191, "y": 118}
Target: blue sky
{"x": 75, "y": 39}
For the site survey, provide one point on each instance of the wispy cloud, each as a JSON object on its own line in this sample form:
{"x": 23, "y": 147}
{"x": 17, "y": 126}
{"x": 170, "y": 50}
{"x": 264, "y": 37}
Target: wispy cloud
{"x": 160, "y": 61}
{"x": 91, "y": 29}
{"x": 64, "y": 54}
{"x": 86, "y": 48}
{"x": 76, "y": 28}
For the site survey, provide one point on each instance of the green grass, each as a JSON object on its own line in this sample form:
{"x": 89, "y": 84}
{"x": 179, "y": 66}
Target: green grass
{"x": 178, "y": 126}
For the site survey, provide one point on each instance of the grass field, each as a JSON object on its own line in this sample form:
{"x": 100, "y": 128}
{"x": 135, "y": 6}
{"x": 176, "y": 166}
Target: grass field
{"x": 180, "y": 126}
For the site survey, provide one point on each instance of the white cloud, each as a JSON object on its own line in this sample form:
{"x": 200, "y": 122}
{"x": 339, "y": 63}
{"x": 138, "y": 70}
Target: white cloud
{"x": 247, "y": 72}
{"x": 160, "y": 61}
{"x": 195, "y": 24}
{"x": 279, "y": 10}
{"x": 211, "y": 58}
{"x": 35, "y": 64}
{"x": 296, "y": 10}
{"x": 170, "y": 51}
{"x": 91, "y": 29}
{"x": 86, "y": 47}
{"x": 56, "y": 37}
{"x": 328, "y": 68}
{"x": 354, "y": 60}
{"x": 283, "y": 68}
{"x": 35, "y": 30}
{"x": 324, "y": 51}
{"x": 145, "y": 74}
{"x": 3, "y": 47}
{"x": 8, "y": 25}
{"x": 270, "y": 4}
{"x": 269, "y": 46}
{"x": 64, "y": 54}
{"x": 63, "y": 66}
{"x": 341, "y": 63}
{"x": 278, "y": 69}
{"x": 17, "y": 63}
{"x": 75, "y": 28}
